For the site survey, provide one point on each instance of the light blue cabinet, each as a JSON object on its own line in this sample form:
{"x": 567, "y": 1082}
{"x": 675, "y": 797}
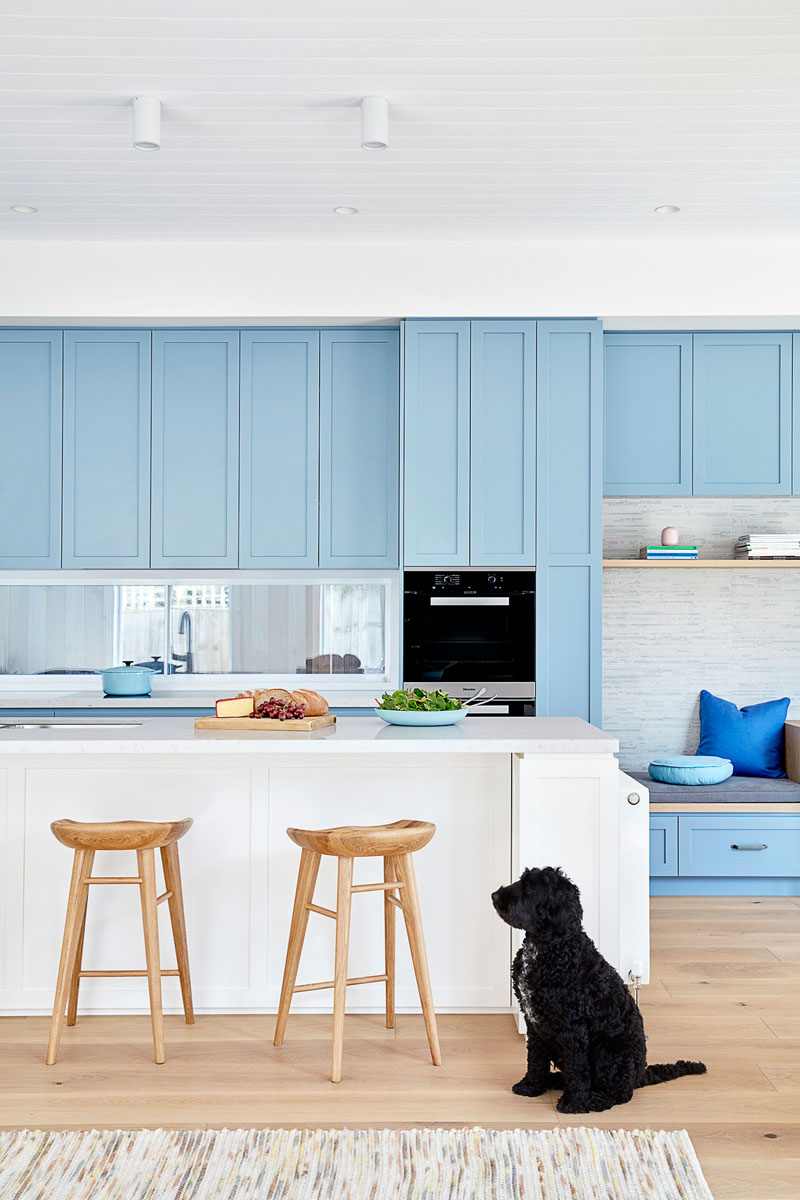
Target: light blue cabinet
{"x": 30, "y": 437}
{"x": 503, "y": 444}
{"x": 648, "y": 414}
{"x": 742, "y": 414}
{"x": 195, "y": 441}
{"x": 359, "y": 447}
{"x": 437, "y": 443}
{"x": 106, "y": 513}
{"x": 663, "y": 844}
{"x": 569, "y": 486}
{"x": 279, "y": 459}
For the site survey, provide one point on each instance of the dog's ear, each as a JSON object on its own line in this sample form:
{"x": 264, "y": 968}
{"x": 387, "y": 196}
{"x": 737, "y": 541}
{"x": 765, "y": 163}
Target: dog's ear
{"x": 559, "y": 908}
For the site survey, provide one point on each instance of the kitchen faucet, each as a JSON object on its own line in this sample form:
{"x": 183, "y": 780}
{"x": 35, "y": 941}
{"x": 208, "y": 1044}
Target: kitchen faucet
{"x": 185, "y": 627}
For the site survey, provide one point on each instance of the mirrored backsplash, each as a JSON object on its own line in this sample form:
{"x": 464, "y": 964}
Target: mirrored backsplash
{"x": 195, "y": 629}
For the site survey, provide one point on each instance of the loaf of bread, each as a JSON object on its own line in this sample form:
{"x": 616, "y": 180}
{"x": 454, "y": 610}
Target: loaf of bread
{"x": 316, "y": 705}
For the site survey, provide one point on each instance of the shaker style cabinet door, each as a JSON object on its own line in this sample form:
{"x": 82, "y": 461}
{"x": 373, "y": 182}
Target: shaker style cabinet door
{"x": 106, "y": 448}
{"x": 437, "y": 443}
{"x": 30, "y": 436}
{"x": 279, "y": 440}
{"x": 195, "y": 443}
{"x": 569, "y": 520}
{"x": 359, "y": 447}
{"x": 503, "y": 444}
{"x": 648, "y": 414}
{"x": 742, "y": 414}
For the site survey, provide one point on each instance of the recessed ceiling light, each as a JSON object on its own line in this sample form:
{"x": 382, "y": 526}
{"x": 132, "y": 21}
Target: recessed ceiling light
{"x": 345, "y": 210}
{"x": 23, "y": 208}
{"x": 666, "y": 210}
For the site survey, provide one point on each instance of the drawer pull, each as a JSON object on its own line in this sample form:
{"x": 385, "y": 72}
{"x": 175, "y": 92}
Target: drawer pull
{"x": 735, "y": 846}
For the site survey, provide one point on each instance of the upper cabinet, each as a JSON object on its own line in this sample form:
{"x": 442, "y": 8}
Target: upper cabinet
{"x": 359, "y": 448}
{"x": 742, "y": 414}
{"x": 437, "y": 443}
{"x": 708, "y": 414}
{"x": 195, "y": 443}
{"x": 648, "y": 414}
{"x": 470, "y": 443}
{"x": 30, "y": 435}
{"x": 106, "y": 519}
{"x": 279, "y": 441}
{"x": 503, "y": 444}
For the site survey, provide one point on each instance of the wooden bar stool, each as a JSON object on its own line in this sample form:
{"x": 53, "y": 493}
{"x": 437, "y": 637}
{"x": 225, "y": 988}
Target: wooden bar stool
{"x": 145, "y": 837}
{"x": 397, "y": 844}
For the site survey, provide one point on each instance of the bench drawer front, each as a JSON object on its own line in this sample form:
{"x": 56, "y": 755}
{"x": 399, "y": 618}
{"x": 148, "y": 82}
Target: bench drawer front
{"x": 663, "y": 844}
{"x": 743, "y": 845}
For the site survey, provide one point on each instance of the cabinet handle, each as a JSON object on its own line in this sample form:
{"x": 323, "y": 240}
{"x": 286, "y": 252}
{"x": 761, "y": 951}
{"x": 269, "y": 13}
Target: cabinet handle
{"x": 734, "y": 846}
{"x": 633, "y": 798}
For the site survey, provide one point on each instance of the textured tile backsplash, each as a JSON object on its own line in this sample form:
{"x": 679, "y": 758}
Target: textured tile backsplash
{"x": 669, "y": 633}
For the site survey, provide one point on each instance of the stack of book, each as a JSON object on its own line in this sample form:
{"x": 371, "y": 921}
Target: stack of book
{"x": 668, "y": 553}
{"x": 767, "y": 545}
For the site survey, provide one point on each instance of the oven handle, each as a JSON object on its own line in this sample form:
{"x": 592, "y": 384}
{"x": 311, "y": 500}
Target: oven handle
{"x": 471, "y": 601}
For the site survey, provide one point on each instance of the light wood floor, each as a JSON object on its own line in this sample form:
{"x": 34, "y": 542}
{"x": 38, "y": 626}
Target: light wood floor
{"x": 726, "y": 988}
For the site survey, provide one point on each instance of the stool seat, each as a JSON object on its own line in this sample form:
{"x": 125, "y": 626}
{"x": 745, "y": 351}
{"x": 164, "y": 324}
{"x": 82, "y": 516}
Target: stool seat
{"x": 365, "y": 841}
{"x": 119, "y": 835}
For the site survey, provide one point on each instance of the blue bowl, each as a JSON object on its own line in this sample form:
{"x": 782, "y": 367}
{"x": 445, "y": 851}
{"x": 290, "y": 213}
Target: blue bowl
{"x": 446, "y": 716}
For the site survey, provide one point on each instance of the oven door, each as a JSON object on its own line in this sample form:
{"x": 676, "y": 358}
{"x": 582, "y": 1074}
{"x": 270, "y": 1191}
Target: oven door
{"x": 465, "y": 642}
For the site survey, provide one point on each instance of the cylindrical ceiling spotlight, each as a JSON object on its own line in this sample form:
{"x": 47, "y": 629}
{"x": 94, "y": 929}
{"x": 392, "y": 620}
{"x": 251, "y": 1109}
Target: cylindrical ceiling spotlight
{"x": 374, "y": 123}
{"x": 146, "y": 123}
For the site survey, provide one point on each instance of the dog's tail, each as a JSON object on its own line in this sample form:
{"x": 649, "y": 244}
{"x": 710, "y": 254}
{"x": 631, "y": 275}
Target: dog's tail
{"x": 663, "y": 1072}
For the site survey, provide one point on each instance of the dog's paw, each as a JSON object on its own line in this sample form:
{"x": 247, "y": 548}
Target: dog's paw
{"x": 574, "y": 1102}
{"x": 526, "y": 1088}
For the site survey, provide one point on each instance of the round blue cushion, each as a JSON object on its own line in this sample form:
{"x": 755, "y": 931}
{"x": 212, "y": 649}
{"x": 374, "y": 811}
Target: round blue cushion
{"x": 691, "y": 769}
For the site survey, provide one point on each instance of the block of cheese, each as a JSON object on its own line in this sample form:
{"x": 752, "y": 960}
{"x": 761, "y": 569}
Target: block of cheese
{"x": 237, "y": 706}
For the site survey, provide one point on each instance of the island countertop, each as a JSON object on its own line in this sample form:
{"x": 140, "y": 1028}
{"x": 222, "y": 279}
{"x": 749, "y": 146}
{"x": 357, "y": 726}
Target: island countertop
{"x": 350, "y": 735}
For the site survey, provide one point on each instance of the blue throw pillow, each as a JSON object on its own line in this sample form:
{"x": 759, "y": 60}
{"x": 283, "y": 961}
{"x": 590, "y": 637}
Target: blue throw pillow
{"x": 690, "y": 769}
{"x": 751, "y": 737}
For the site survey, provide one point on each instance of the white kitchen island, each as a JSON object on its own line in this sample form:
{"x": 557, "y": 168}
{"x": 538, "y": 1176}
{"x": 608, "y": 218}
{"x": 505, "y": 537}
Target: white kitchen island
{"x": 504, "y": 793}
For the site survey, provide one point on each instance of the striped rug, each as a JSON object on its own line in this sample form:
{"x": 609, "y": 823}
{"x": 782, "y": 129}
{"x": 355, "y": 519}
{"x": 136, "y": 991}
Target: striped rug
{"x": 358, "y": 1164}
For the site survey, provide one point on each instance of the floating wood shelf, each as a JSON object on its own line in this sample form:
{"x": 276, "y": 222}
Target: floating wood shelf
{"x": 703, "y": 563}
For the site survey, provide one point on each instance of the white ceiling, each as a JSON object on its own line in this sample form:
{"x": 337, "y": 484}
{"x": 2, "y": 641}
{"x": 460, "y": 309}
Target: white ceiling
{"x": 513, "y": 118}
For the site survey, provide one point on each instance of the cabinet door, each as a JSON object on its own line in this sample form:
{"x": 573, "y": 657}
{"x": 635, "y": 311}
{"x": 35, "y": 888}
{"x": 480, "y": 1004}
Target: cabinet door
{"x": 106, "y": 448}
{"x": 437, "y": 441}
{"x": 30, "y": 435}
{"x": 569, "y": 519}
{"x": 195, "y": 449}
{"x": 742, "y": 414}
{"x": 503, "y": 444}
{"x": 359, "y": 447}
{"x": 648, "y": 414}
{"x": 279, "y": 449}
{"x": 663, "y": 844}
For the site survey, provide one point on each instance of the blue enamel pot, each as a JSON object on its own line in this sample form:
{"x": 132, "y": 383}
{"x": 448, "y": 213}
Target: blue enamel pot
{"x": 127, "y": 680}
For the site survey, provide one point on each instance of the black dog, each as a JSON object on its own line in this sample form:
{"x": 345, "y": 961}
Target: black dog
{"x": 579, "y": 1014}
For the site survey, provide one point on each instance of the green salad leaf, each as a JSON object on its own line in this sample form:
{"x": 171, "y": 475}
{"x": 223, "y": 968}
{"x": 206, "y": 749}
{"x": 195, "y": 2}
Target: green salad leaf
{"x": 418, "y": 700}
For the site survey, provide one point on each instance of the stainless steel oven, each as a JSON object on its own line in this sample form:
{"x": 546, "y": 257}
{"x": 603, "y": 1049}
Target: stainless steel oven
{"x": 464, "y": 630}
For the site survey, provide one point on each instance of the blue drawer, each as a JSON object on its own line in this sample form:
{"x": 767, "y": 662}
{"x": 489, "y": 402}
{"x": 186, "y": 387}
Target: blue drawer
{"x": 714, "y": 844}
{"x": 15, "y": 714}
{"x": 663, "y": 844}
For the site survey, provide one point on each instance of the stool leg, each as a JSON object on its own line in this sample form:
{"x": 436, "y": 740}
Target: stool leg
{"x": 389, "y": 939}
{"x": 304, "y": 893}
{"x": 72, "y": 1007}
{"x": 146, "y": 863}
{"x": 344, "y": 893}
{"x": 69, "y": 946}
{"x": 170, "y": 862}
{"x": 404, "y": 864}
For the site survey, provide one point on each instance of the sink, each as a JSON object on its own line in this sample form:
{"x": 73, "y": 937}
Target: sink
{"x": 70, "y": 724}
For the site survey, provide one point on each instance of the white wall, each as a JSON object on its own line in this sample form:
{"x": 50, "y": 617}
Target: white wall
{"x": 667, "y": 279}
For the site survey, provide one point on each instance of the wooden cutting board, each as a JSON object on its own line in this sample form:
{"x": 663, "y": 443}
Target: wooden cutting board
{"x": 265, "y": 724}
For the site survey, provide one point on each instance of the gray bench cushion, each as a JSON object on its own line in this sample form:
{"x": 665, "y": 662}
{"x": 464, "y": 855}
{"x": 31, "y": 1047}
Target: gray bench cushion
{"x": 739, "y": 789}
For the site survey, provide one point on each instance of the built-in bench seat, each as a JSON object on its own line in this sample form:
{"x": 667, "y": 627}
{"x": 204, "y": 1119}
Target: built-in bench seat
{"x": 697, "y": 848}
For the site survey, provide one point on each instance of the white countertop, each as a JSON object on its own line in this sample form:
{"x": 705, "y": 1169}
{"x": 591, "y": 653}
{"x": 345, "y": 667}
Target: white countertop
{"x": 172, "y": 699}
{"x": 351, "y": 735}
